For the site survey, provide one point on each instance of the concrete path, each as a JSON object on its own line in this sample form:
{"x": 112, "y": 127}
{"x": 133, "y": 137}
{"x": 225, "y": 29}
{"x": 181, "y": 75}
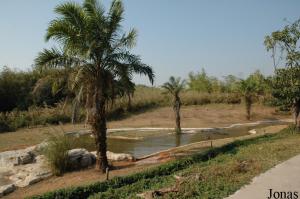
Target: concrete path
{"x": 284, "y": 177}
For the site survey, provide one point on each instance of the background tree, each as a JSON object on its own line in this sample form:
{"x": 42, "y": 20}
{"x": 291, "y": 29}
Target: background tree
{"x": 286, "y": 90}
{"x": 174, "y": 86}
{"x": 15, "y": 89}
{"x": 52, "y": 87}
{"x": 231, "y": 84}
{"x": 93, "y": 44}
{"x": 200, "y": 82}
{"x": 286, "y": 84}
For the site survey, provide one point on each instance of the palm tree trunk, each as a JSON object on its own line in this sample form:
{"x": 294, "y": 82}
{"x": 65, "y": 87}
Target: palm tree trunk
{"x": 176, "y": 108}
{"x": 99, "y": 130}
{"x": 129, "y": 102}
{"x": 248, "y": 102}
{"x": 296, "y": 113}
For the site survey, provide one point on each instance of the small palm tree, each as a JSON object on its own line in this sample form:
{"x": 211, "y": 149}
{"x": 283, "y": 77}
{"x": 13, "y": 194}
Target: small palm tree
{"x": 174, "y": 86}
{"x": 94, "y": 46}
{"x": 249, "y": 91}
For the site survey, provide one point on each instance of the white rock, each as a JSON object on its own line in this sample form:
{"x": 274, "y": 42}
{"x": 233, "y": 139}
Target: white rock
{"x": 24, "y": 175}
{"x": 252, "y": 131}
{"x": 33, "y": 178}
{"x": 40, "y": 147}
{"x": 6, "y": 189}
{"x": 17, "y": 157}
{"x": 116, "y": 156}
{"x": 189, "y": 131}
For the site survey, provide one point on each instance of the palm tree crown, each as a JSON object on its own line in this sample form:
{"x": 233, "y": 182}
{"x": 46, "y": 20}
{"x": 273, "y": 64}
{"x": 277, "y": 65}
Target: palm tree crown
{"x": 174, "y": 86}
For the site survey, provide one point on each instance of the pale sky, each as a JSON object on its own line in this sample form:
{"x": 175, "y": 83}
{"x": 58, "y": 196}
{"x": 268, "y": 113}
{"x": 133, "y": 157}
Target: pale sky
{"x": 175, "y": 37}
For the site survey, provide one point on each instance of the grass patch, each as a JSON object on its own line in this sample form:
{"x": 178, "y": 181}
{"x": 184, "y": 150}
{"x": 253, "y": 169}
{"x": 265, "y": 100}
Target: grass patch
{"x": 57, "y": 149}
{"x": 221, "y": 171}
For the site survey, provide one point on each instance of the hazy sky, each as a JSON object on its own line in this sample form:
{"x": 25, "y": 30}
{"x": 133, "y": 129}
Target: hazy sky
{"x": 175, "y": 36}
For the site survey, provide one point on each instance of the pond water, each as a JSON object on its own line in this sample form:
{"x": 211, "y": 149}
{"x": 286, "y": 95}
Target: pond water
{"x": 164, "y": 139}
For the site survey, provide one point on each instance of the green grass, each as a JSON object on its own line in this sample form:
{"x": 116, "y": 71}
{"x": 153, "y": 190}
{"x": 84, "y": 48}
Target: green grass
{"x": 221, "y": 171}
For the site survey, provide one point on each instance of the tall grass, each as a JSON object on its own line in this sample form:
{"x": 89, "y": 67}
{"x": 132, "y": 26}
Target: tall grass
{"x": 56, "y": 153}
{"x": 56, "y": 150}
{"x": 35, "y": 116}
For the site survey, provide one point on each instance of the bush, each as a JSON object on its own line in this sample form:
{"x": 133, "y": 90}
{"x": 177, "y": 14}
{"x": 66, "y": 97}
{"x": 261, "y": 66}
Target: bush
{"x": 57, "y": 118}
{"x": 56, "y": 153}
{"x": 58, "y": 146}
{"x": 4, "y": 127}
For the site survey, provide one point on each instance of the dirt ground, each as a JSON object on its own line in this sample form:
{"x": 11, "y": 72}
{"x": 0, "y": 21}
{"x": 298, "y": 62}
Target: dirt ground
{"x": 212, "y": 115}
{"x": 91, "y": 175}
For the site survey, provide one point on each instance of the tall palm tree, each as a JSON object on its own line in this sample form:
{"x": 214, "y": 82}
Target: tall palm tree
{"x": 93, "y": 44}
{"x": 174, "y": 86}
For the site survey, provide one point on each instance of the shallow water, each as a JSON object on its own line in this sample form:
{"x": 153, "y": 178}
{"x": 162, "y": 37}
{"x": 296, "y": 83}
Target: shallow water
{"x": 162, "y": 141}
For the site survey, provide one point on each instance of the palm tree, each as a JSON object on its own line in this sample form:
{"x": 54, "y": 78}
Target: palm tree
{"x": 93, "y": 44}
{"x": 174, "y": 86}
{"x": 249, "y": 91}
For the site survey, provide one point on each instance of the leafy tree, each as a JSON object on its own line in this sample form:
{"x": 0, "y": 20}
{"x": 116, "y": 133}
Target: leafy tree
{"x": 52, "y": 87}
{"x": 93, "y": 44}
{"x": 286, "y": 85}
{"x": 231, "y": 84}
{"x": 174, "y": 86}
{"x": 200, "y": 82}
{"x": 286, "y": 89}
{"x": 286, "y": 41}
{"x": 15, "y": 89}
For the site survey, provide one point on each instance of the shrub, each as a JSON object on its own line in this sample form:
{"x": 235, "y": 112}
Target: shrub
{"x": 56, "y": 153}
{"x": 57, "y": 118}
{"x": 58, "y": 146}
{"x": 4, "y": 127}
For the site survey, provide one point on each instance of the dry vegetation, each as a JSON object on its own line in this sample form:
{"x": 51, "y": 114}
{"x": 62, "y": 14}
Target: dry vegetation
{"x": 211, "y": 115}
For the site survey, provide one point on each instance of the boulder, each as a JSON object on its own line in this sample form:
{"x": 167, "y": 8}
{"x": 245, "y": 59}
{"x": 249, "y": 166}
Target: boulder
{"x": 117, "y": 156}
{"x": 253, "y": 131}
{"x": 24, "y": 175}
{"x": 33, "y": 178}
{"x": 80, "y": 158}
{"x": 40, "y": 147}
{"x": 17, "y": 157}
{"x": 6, "y": 189}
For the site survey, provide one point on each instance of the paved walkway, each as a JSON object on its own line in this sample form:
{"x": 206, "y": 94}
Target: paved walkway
{"x": 284, "y": 177}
